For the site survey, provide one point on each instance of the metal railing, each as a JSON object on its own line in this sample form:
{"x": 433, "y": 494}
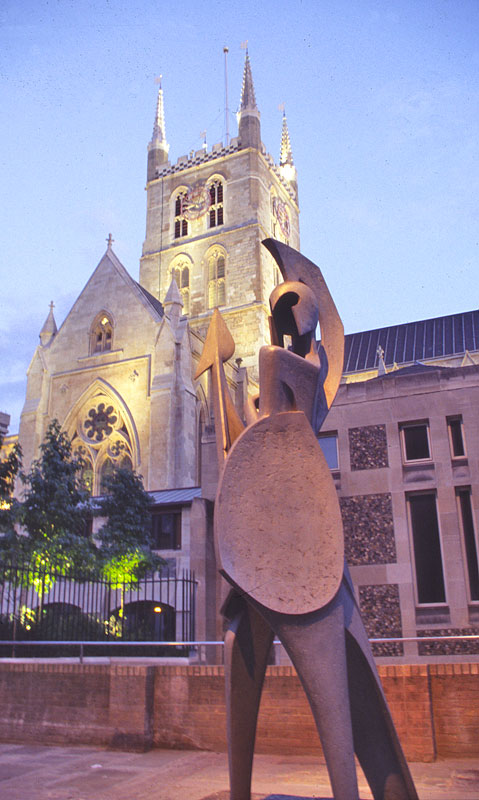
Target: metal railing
{"x": 187, "y": 646}
{"x": 56, "y": 605}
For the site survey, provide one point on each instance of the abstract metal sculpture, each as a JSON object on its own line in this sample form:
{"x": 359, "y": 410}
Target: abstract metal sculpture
{"x": 279, "y": 543}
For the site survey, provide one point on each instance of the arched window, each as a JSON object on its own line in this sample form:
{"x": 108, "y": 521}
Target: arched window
{"x": 106, "y": 469}
{"x": 181, "y": 273}
{"x": 216, "y": 278}
{"x": 216, "y": 215}
{"x": 101, "y": 336}
{"x": 181, "y": 223}
{"x": 103, "y": 437}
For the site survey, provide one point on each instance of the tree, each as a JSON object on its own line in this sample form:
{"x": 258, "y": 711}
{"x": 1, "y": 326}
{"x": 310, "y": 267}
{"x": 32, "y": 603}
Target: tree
{"x": 9, "y": 469}
{"x": 55, "y": 506}
{"x": 125, "y": 536}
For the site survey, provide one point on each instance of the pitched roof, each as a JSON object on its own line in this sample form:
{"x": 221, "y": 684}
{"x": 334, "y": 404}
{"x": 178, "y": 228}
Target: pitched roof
{"x": 175, "y": 496}
{"x": 438, "y": 337}
{"x": 152, "y": 300}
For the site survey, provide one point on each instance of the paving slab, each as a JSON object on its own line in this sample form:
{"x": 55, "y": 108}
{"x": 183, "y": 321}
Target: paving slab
{"x": 87, "y": 773}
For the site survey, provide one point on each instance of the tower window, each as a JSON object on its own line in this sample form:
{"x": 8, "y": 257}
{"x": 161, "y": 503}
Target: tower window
{"x": 216, "y": 216}
{"x": 101, "y": 336}
{"x": 181, "y": 223}
{"x": 216, "y": 279}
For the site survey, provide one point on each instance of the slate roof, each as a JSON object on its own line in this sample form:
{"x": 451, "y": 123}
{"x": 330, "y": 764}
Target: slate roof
{"x": 413, "y": 341}
{"x": 175, "y": 496}
{"x": 152, "y": 300}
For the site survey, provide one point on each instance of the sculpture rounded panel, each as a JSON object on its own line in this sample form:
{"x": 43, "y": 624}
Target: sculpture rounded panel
{"x": 278, "y": 525}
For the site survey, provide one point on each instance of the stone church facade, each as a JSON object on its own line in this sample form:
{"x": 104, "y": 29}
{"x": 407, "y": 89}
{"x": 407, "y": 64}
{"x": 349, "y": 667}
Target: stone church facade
{"x": 118, "y": 375}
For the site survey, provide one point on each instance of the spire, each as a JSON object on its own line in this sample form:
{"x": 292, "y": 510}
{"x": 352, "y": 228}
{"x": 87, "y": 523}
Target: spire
{"x": 248, "y": 99}
{"x": 286, "y": 163}
{"x": 49, "y": 328}
{"x": 286, "y": 155}
{"x": 248, "y": 115}
{"x": 158, "y": 147}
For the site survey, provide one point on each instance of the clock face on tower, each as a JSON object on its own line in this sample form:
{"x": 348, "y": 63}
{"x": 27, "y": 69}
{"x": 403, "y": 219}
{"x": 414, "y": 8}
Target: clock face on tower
{"x": 196, "y": 202}
{"x": 280, "y": 212}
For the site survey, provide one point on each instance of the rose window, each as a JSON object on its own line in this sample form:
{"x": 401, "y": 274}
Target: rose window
{"x": 100, "y": 422}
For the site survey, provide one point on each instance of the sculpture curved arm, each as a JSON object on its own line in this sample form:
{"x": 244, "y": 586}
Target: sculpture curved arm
{"x": 295, "y": 267}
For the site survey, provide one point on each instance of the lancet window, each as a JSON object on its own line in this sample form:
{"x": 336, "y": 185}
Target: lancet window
{"x": 216, "y": 213}
{"x": 181, "y": 223}
{"x": 216, "y": 278}
{"x": 101, "y": 335}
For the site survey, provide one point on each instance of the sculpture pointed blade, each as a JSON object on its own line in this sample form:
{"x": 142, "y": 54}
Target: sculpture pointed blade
{"x": 219, "y": 343}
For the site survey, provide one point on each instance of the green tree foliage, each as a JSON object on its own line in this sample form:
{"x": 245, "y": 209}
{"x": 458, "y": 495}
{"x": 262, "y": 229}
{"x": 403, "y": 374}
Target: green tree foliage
{"x": 55, "y": 506}
{"x": 125, "y": 536}
{"x": 9, "y": 469}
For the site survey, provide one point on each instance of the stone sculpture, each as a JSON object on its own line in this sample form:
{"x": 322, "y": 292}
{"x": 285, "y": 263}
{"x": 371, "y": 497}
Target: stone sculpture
{"x": 279, "y": 543}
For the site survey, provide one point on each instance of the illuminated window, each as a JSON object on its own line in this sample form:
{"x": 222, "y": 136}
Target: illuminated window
{"x": 456, "y": 437}
{"x": 466, "y": 517}
{"x": 426, "y": 542}
{"x": 415, "y": 442}
{"x": 101, "y": 336}
{"x": 329, "y": 445}
{"x": 181, "y": 274}
{"x": 216, "y": 216}
{"x": 166, "y": 530}
{"x": 216, "y": 278}
{"x": 181, "y": 223}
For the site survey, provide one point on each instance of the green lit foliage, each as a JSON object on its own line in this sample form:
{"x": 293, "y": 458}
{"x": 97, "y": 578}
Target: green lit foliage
{"x": 125, "y": 536}
{"x": 55, "y": 507}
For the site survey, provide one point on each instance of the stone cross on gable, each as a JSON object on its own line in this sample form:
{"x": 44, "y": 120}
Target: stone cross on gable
{"x": 110, "y": 241}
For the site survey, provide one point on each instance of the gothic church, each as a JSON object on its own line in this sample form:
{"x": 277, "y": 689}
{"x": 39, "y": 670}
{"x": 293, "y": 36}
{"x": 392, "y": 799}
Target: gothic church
{"x": 118, "y": 372}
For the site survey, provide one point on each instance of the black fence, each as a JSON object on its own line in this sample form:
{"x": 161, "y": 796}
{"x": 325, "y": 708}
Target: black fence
{"x": 40, "y": 602}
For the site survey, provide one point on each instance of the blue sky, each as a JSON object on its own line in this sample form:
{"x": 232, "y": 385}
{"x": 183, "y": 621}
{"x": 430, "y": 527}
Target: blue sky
{"x": 382, "y": 104}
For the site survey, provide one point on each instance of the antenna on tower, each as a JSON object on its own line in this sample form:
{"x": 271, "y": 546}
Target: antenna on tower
{"x": 227, "y": 111}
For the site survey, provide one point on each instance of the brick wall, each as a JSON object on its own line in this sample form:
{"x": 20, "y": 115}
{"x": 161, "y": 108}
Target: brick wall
{"x": 435, "y": 707}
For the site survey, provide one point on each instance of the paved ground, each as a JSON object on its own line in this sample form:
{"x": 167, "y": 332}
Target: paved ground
{"x": 87, "y": 773}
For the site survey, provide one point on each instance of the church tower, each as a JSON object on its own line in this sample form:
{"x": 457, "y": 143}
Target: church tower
{"x": 207, "y": 214}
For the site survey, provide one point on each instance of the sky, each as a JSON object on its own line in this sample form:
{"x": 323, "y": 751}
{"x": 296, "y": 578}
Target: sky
{"x": 382, "y": 102}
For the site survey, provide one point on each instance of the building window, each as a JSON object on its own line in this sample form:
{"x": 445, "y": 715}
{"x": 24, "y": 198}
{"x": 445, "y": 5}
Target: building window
{"x": 166, "y": 530}
{"x": 466, "y": 518}
{"x": 427, "y": 548}
{"x": 415, "y": 442}
{"x": 216, "y": 278}
{"x": 329, "y": 445}
{"x": 181, "y": 274}
{"x": 181, "y": 223}
{"x": 216, "y": 216}
{"x": 456, "y": 437}
{"x": 101, "y": 336}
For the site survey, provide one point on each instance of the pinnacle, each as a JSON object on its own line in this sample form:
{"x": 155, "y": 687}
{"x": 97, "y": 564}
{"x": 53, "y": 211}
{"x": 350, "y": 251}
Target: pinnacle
{"x": 248, "y": 99}
{"x": 286, "y": 155}
{"x": 49, "y": 327}
{"x": 173, "y": 294}
{"x": 159, "y": 135}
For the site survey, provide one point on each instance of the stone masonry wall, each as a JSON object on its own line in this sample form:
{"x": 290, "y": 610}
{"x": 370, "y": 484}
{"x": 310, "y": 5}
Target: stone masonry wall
{"x": 434, "y": 707}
